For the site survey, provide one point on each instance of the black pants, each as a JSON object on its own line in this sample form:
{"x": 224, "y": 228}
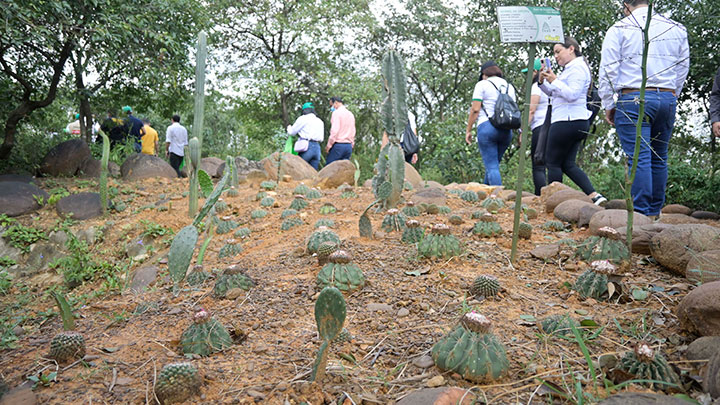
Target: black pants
{"x": 538, "y": 171}
{"x": 564, "y": 141}
{"x": 175, "y": 162}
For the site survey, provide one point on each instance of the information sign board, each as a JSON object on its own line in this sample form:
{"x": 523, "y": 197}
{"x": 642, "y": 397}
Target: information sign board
{"x": 530, "y": 24}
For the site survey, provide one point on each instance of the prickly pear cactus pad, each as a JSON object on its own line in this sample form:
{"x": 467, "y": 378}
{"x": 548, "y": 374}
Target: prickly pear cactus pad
{"x": 413, "y": 232}
{"x": 328, "y": 223}
{"x": 67, "y": 347}
{"x": 177, "y": 382}
{"x": 644, "y": 364}
{"x": 301, "y": 189}
{"x": 469, "y": 196}
{"x": 205, "y": 336}
{"x": 340, "y": 273}
{"x": 558, "y": 325}
{"x": 298, "y": 203}
{"x": 439, "y": 243}
{"x": 268, "y": 185}
{"x": 258, "y": 213}
{"x": 267, "y": 202}
{"x": 606, "y": 246}
{"x": 487, "y": 229}
{"x": 553, "y": 226}
{"x": 410, "y": 210}
{"x": 472, "y": 351}
{"x": 327, "y": 208}
{"x": 313, "y": 194}
{"x": 289, "y": 223}
{"x": 485, "y": 286}
{"x": 394, "y": 221}
{"x": 181, "y": 252}
{"x": 324, "y": 251}
{"x": 227, "y": 282}
{"x": 330, "y": 315}
{"x": 320, "y": 236}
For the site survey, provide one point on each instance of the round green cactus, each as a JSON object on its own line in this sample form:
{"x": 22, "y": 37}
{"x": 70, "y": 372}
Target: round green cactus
{"x": 410, "y": 210}
{"x": 327, "y": 208}
{"x": 232, "y": 192}
{"x": 558, "y": 325}
{"x": 229, "y": 280}
{"x": 431, "y": 209}
{"x": 267, "y": 202}
{"x": 487, "y": 229}
{"x": 230, "y": 249}
{"x": 531, "y": 213}
{"x": 288, "y": 213}
{"x": 394, "y": 221}
{"x": 469, "y": 196}
{"x": 197, "y": 277}
{"x": 205, "y": 336}
{"x": 456, "y": 220}
{"x": 177, "y": 382}
{"x": 324, "y": 251}
{"x": 493, "y": 203}
{"x": 439, "y": 243}
{"x": 290, "y": 223}
{"x": 298, "y": 203}
{"x": 268, "y": 185}
{"x": 553, "y": 226}
{"x": 221, "y": 206}
{"x": 260, "y": 195}
{"x": 342, "y": 337}
{"x": 644, "y": 364}
{"x": 313, "y": 194}
{"x": 485, "y": 286}
{"x": 606, "y": 246}
{"x": 301, "y": 189}
{"x": 478, "y": 214}
{"x": 258, "y": 213}
{"x": 319, "y": 236}
{"x": 525, "y": 230}
{"x": 413, "y": 232}
{"x": 472, "y": 351}
{"x": 67, "y": 347}
{"x": 444, "y": 209}
{"x": 225, "y": 226}
{"x": 591, "y": 284}
{"x": 340, "y": 273}
{"x": 242, "y": 233}
{"x": 326, "y": 222}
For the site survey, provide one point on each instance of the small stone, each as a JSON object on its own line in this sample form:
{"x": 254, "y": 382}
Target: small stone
{"x": 260, "y": 349}
{"x": 174, "y": 311}
{"x": 18, "y": 331}
{"x": 233, "y": 293}
{"x": 423, "y": 362}
{"x": 373, "y": 307}
{"x": 258, "y": 396}
{"x": 436, "y": 381}
{"x": 287, "y": 178}
{"x": 425, "y": 306}
{"x": 403, "y": 312}
{"x": 282, "y": 386}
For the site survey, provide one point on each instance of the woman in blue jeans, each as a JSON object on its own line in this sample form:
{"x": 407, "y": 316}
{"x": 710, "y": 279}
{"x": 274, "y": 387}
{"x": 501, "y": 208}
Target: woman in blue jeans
{"x": 311, "y": 131}
{"x": 492, "y": 141}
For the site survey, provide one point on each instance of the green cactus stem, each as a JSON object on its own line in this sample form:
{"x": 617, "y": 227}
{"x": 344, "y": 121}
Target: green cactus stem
{"x": 644, "y": 364}
{"x": 193, "y": 164}
{"x": 413, "y": 232}
{"x": 66, "y": 313}
{"x": 472, "y": 351}
{"x": 340, "y": 273}
{"x": 330, "y": 316}
{"x": 180, "y": 254}
{"x": 211, "y": 200}
{"x": 318, "y": 237}
{"x": 394, "y": 221}
{"x": 177, "y": 382}
{"x": 205, "y": 336}
{"x": 206, "y": 243}
{"x": 102, "y": 182}
{"x": 440, "y": 243}
{"x": 200, "y": 58}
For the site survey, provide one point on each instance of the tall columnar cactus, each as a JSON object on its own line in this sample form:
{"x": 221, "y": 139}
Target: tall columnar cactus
{"x": 472, "y": 351}
{"x": 205, "y": 336}
{"x": 232, "y": 166}
{"x": 193, "y": 164}
{"x": 200, "y": 58}
{"x": 644, "y": 364}
{"x": 102, "y": 183}
{"x": 330, "y": 316}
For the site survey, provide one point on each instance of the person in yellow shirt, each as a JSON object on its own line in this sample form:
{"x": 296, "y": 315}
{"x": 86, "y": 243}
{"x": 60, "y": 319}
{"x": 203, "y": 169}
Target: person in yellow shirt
{"x": 149, "y": 139}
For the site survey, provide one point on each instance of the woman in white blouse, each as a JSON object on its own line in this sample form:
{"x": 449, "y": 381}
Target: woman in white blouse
{"x": 569, "y": 119}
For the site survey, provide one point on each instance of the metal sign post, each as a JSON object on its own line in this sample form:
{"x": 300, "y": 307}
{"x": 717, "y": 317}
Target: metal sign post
{"x": 532, "y": 25}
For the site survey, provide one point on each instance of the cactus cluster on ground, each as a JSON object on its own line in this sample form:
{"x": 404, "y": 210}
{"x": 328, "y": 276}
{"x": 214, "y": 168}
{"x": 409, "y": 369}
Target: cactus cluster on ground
{"x": 258, "y": 213}
{"x": 605, "y": 246}
{"x": 230, "y": 249}
{"x": 326, "y": 222}
{"x": 493, "y": 203}
{"x": 327, "y": 208}
{"x": 558, "y": 325}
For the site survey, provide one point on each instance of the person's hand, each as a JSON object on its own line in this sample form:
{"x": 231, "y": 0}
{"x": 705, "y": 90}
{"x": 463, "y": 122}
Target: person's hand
{"x": 468, "y": 137}
{"x": 548, "y": 75}
{"x": 327, "y": 148}
{"x": 610, "y": 116}
{"x": 414, "y": 158}
{"x": 289, "y": 127}
{"x": 716, "y": 128}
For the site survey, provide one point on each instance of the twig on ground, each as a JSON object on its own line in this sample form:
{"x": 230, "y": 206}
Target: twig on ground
{"x": 114, "y": 379}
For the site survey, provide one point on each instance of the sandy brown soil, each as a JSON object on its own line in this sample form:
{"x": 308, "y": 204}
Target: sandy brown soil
{"x": 274, "y": 322}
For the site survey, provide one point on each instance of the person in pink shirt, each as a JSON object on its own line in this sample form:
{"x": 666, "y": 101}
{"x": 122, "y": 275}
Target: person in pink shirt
{"x": 342, "y": 132}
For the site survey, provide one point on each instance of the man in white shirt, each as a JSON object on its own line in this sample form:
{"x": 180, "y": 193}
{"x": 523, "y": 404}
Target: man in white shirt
{"x": 311, "y": 131}
{"x": 621, "y": 75}
{"x": 175, "y": 140}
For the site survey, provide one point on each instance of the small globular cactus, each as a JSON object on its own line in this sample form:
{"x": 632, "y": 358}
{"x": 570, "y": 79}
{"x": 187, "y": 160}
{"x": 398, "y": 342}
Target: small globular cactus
{"x": 478, "y": 214}
{"x": 472, "y": 351}
{"x": 326, "y": 222}
{"x": 593, "y": 283}
{"x": 231, "y": 279}
{"x": 525, "y": 230}
{"x": 267, "y": 202}
{"x": 289, "y": 223}
{"x": 485, "y": 286}
{"x": 413, "y": 232}
{"x": 493, "y": 203}
{"x": 340, "y": 273}
{"x": 557, "y": 325}
{"x": 299, "y": 202}
{"x": 67, "y": 347}
{"x": 232, "y": 192}
{"x": 431, "y": 209}
{"x": 553, "y": 226}
{"x": 440, "y": 243}
{"x": 258, "y": 213}
{"x": 487, "y": 229}
{"x": 177, "y": 382}
{"x": 343, "y": 336}
{"x": 225, "y": 226}
{"x": 606, "y": 246}
{"x": 444, "y": 209}
{"x": 242, "y": 232}
{"x": 324, "y": 251}
{"x": 327, "y": 208}
{"x": 221, "y": 206}
{"x": 644, "y": 364}
{"x": 456, "y": 220}
{"x": 469, "y": 196}
{"x": 230, "y": 249}
{"x": 347, "y": 192}
{"x": 301, "y": 189}
{"x": 205, "y": 336}
{"x": 288, "y": 213}
{"x": 531, "y": 213}
{"x": 197, "y": 277}
{"x": 394, "y": 221}
{"x": 260, "y": 195}
{"x": 319, "y": 236}
{"x": 410, "y": 210}
{"x": 268, "y": 185}
{"x": 313, "y": 194}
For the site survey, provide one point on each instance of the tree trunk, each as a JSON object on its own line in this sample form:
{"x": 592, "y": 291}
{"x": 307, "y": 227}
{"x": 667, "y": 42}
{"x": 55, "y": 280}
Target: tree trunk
{"x": 284, "y": 106}
{"x": 83, "y": 99}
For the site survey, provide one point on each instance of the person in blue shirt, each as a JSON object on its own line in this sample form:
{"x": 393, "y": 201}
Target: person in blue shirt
{"x": 133, "y": 125}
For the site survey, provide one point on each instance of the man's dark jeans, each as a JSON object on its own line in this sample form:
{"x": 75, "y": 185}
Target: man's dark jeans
{"x": 175, "y": 162}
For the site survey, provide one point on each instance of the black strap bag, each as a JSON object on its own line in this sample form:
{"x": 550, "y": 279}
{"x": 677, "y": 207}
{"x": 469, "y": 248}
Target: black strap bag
{"x": 539, "y": 156}
{"x": 410, "y": 142}
{"x": 507, "y": 114}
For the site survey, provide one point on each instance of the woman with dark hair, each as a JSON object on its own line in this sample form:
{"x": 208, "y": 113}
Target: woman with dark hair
{"x": 310, "y": 130}
{"x": 569, "y": 118}
{"x": 492, "y": 141}
{"x": 538, "y": 111}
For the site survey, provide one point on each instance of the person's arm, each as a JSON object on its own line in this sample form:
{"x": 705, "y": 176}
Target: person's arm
{"x": 384, "y": 140}
{"x": 475, "y": 107}
{"x": 534, "y": 102}
{"x": 683, "y": 66}
{"x": 715, "y": 105}
{"x": 570, "y": 87}
{"x": 609, "y": 71}
{"x": 296, "y": 127}
{"x": 334, "y": 125}
{"x": 168, "y": 136}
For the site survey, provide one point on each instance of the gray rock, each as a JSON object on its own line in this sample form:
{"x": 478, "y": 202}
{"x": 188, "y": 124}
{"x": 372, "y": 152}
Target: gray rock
{"x": 403, "y": 312}
{"x": 676, "y": 219}
{"x": 642, "y": 235}
{"x": 79, "y": 206}
{"x": 412, "y": 176}
{"x": 137, "y": 250}
{"x": 21, "y": 178}
{"x": 423, "y": 361}
{"x": 674, "y": 247}
{"x": 140, "y": 166}
{"x": 374, "y": 307}
{"x": 706, "y": 215}
{"x": 41, "y": 255}
{"x": 636, "y": 398}
{"x": 615, "y": 219}
{"x": 711, "y": 378}
{"x": 569, "y": 211}
{"x": 551, "y": 189}
{"x": 616, "y": 204}
{"x": 545, "y": 252}
{"x": 18, "y": 198}
{"x": 87, "y": 235}
{"x": 699, "y": 311}
{"x": 210, "y": 165}
{"x": 441, "y": 395}
{"x": 11, "y": 252}
{"x": 65, "y": 158}
{"x": 292, "y": 165}
{"x": 335, "y": 174}
{"x": 704, "y": 267}
{"x": 563, "y": 195}
{"x": 676, "y": 209}
{"x": 703, "y": 348}
{"x": 429, "y": 196}
{"x": 142, "y": 278}
{"x": 586, "y": 213}
{"x": 59, "y": 238}
{"x": 91, "y": 168}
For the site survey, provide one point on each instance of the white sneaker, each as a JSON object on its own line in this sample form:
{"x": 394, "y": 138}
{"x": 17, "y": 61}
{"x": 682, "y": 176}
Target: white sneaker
{"x": 599, "y": 200}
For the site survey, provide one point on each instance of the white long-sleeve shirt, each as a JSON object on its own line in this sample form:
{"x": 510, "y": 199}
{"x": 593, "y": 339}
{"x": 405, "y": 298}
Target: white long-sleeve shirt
{"x": 621, "y": 63}
{"x": 309, "y": 127}
{"x": 176, "y": 135}
{"x": 568, "y": 92}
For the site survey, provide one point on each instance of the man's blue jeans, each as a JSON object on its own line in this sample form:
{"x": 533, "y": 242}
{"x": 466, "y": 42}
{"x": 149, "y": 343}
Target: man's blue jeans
{"x": 339, "y": 151}
{"x": 492, "y": 143}
{"x": 648, "y": 190}
{"x": 312, "y": 155}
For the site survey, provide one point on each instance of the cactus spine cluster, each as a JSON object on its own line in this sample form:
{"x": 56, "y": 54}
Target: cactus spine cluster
{"x": 193, "y": 165}
{"x": 320, "y": 236}
{"x": 339, "y": 272}
{"x": 469, "y": 196}
{"x": 177, "y": 382}
{"x": 205, "y": 336}
{"x": 330, "y": 315}
{"x": 485, "y": 286}
{"x": 102, "y": 182}
{"x": 472, "y": 351}
{"x": 394, "y": 221}
{"x": 440, "y": 243}
{"x": 413, "y": 232}
{"x": 645, "y": 364}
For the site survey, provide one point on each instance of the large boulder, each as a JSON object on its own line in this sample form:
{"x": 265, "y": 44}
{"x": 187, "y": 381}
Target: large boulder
{"x": 711, "y": 377}
{"x": 642, "y": 235}
{"x": 552, "y": 188}
{"x": 676, "y": 219}
{"x": 79, "y": 206}
{"x": 244, "y": 167}
{"x": 431, "y": 195}
{"x": 140, "y": 166}
{"x": 674, "y": 247}
{"x": 412, "y": 176}
{"x": 676, "y": 209}
{"x": 586, "y": 213}
{"x": 615, "y": 219}
{"x": 22, "y": 178}
{"x": 616, "y": 205}
{"x": 704, "y": 267}
{"x": 335, "y": 174}
{"x": 569, "y": 211}
{"x": 210, "y": 165}
{"x": 703, "y": 348}
{"x": 642, "y": 398}
{"x": 706, "y": 215}
{"x": 478, "y": 188}
{"x": 18, "y": 198}
{"x": 90, "y": 168}
{"x": 563, "y": 195}
{"x": 292, "y": 165}
{"x": 699, "y": 311}
{"x": 65, "y": 158}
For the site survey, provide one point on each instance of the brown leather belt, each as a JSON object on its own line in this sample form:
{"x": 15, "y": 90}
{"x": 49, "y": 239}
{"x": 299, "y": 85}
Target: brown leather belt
{"x": 655, "y": 89}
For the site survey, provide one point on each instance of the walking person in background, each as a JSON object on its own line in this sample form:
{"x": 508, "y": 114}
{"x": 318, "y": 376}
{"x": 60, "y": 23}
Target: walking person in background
{"x": 311, "y": 131}
{"x": 74, "y": 127}
{"x": 149, "y": 139}
{"x": 175, "y": 140}
{"x": 411, "y": 158}
{"x": 570, "y": 116}
{"x": 133, "y": 125}
{"x": 342, "y": 132}
{"x": 715, "y": 105}
{"x": 621, "y": 73}
{"x": 492, "y": 142}
{"x": 538, "y": 110}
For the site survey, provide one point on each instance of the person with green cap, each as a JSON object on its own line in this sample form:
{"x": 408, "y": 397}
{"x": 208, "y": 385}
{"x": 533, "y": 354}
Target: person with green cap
{"x": 310, "y": 130}
{"x": 133, "y": 125}
{"x": 539, "y": 103}
{"x": 74, "y": 127}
